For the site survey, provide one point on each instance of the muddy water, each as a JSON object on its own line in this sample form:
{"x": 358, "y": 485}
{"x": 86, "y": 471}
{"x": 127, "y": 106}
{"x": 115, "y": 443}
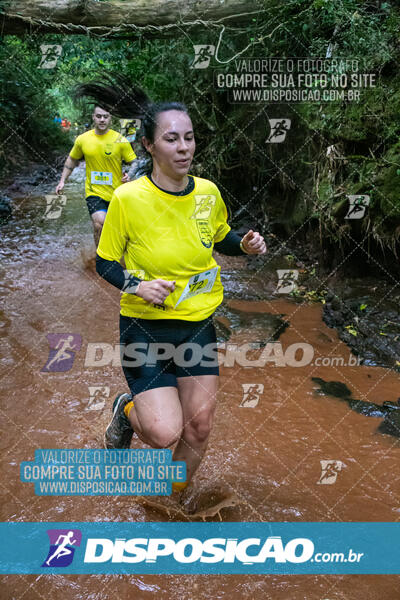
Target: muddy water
{"x": 265, "y": 448}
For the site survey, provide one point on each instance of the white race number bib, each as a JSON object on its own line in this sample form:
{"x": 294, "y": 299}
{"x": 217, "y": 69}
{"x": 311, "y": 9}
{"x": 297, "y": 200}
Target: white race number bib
{"x": 101, "y": 178}
{"x": 199, "y": 284}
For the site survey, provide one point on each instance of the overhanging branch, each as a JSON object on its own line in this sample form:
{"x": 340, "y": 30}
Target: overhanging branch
{"x": 118, "y": 17}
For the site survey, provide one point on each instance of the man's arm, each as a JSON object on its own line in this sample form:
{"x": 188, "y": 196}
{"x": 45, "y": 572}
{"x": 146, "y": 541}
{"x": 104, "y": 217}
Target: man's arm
{"x": 69, "y": 166}
{"x": 130, "y": 173}
{"x": 126, "y": 175}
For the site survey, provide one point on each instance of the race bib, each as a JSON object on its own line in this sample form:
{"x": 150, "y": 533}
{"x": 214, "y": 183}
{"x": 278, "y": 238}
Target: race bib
{"x": 101, "y": 178}
{"x": 199, "y": 284}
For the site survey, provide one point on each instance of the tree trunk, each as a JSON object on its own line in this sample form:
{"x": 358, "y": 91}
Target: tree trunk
{"x": 102, "y": 16}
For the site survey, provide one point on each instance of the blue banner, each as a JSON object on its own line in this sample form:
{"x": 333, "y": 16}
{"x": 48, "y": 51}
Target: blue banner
{"x": 200, "y": 548}
{"x": 89, "y": 472}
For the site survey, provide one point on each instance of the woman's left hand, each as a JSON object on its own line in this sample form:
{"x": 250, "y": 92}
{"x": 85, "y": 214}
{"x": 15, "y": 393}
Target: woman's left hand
{"x": 253, "y": 243}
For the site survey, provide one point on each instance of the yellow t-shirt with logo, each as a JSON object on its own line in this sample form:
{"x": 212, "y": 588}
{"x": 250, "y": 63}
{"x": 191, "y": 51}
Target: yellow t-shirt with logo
{"x": 103, "y": 155}
{"x": 163, "y": 236}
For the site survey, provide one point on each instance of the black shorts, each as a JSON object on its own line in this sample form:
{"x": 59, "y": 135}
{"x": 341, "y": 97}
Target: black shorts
{"x": 155, "y": 352}
{"x": 95, "y": 203}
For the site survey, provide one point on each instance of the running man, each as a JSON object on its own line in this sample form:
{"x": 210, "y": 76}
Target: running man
{"x": 166, "y": 225}
{"x": 279, "y": 129}
{"x": 103, "y": 150}
{"x": 62, "y": 351}
{"x": 62, "y": 549}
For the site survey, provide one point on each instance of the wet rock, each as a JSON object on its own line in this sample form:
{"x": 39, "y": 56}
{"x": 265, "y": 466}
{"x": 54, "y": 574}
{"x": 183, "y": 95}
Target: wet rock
{"x": 15, "y": 186}
{"x": 42, "y": 175}
{"x": 391, "y": 424}
{"x": 390, "y": 411}
{"x": 335, "y": 303}
{"x": 5, "y": 208}
{"x": 78, "y": 174}
{"x": 336, "y": 318}
{"x": 264, "y": 327}
{"x": 370, "y": 327}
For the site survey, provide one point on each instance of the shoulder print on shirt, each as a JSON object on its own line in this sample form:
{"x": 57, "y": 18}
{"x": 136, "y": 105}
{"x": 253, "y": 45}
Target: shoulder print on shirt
{"x": 204, "y": 204}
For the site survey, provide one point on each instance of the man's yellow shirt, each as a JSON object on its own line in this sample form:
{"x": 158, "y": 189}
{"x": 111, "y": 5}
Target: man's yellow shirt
{"x": 103, "y": 155}
{"x": 163, "y": 236}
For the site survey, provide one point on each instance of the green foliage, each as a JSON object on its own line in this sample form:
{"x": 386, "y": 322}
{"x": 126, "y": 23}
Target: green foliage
{"x": 27, "y": 107}
{"x": 289, "y": 185}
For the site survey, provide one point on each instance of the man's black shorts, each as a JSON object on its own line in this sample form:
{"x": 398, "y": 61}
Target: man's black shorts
{"x": 95, "y": 203}
{"x": 190, "y": 349}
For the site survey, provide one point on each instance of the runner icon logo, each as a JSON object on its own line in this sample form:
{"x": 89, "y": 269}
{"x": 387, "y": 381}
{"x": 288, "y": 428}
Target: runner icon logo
{"x": 357, "y": 206}
{"x": 279, "y": 129}
{"x": 62, "y": 547}
{"x": 98, "y": 395}
{"x": 203, "y": 54}
{"x": 251, "y": 394}
{"x": 286, "y": 281}
{"x": 203, "y": 207}
{"x": 329, "y": 471}
{"x": 62, "y": 351}
{"x": 50, "y": 55}
{"x": 55, "y": 205}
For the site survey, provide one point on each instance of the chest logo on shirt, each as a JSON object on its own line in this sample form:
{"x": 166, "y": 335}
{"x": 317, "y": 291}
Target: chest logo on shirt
{"x": 108, "y": 149}
{"x": 204, "y": 204}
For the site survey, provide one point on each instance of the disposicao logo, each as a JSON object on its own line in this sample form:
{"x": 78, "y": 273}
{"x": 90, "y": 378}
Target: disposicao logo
{"x": 190, "y": 550}
{"x": 62, "y": 547}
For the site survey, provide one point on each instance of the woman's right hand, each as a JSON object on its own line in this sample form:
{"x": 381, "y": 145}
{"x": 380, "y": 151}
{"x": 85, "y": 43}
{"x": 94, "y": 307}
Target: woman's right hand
{"x": 155, "y": 291}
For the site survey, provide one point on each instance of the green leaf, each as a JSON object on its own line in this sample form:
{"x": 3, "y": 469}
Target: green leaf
{"x": 351, "y": 330}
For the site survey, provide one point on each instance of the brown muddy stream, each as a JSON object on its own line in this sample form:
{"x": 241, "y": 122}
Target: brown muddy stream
{"x": 265, "y": 447}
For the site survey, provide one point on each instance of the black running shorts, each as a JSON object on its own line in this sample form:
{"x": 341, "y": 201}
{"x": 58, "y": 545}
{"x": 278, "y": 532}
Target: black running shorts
{"x": 154, "y": 353}
{"x": 95, "y": 203}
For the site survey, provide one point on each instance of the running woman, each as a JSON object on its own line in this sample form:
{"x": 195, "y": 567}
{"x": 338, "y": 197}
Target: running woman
{"x": 104, "y": 150}
{"x": 166, "y": 225}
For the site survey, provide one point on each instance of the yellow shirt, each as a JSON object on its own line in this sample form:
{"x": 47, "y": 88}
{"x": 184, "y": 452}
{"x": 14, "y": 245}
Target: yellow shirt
{"x": 103, "y": 155}
{"x": 163, "y": 236}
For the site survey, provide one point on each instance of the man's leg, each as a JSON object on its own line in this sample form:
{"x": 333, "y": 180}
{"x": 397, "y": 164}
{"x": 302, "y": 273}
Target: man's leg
{"x": 98, "y": 219}
{"x": 198, "y": 399}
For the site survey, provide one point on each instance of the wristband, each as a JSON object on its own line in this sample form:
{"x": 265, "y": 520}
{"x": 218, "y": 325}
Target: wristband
{"x": 241, "y": 247}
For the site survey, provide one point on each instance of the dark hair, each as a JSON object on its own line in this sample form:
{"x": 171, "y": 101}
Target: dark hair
{"x": 116, "y": 94}
{"x": 99, "y": 106}
{"x": 149, "y": 121}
